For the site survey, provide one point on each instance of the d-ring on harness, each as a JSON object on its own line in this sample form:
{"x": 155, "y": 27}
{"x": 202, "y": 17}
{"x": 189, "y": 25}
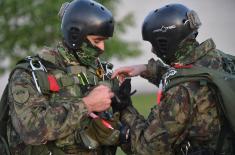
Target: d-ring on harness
{"x": 36, "y": 65}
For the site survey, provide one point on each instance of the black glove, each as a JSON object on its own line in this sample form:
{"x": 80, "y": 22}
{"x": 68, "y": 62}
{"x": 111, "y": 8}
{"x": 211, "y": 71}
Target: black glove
{"x": 122, "y": 98}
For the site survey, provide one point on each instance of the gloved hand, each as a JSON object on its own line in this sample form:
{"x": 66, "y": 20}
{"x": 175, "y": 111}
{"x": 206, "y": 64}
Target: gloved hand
{"x": 123, "y": 96}
{"x": 97, "y": 133}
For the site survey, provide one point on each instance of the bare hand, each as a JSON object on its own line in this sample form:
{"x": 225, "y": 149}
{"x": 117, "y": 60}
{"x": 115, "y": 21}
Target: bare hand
{"x": 128, "y": 71}
{"x": 99, "y": 99}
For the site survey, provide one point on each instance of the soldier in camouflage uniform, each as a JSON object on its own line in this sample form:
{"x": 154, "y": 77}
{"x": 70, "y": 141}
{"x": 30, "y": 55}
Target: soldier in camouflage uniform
{"x": 186, "y": 119}
{"x": 51, "y": 95}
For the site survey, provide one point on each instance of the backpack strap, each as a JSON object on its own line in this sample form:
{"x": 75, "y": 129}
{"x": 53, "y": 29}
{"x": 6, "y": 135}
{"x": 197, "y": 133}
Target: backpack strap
{"x": 2, "y": 107}
{"x": 4, "y": 142}
{"x": 4, "y": 112}
{"x": 51, "y": 65}
{"x": 182, "y": 145}
{"x": 3, "y": 120}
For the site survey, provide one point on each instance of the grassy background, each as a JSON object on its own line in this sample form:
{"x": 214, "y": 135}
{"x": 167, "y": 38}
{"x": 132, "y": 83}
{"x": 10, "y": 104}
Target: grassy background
{"x": 143, "y": 103}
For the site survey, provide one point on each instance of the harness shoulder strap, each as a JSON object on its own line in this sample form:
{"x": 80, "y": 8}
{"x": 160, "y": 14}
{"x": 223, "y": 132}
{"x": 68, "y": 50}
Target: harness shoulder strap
{"x": 37, "y": 67}
{"x": 4, "y": 108}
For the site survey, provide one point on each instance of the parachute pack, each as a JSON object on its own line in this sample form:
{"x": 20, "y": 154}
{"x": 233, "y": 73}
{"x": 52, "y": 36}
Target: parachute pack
{"x": 221, "y": 82}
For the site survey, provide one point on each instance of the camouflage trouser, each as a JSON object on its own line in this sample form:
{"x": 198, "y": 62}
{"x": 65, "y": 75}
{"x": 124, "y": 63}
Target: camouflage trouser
{"x": 52, "y": 150}
{"x": 36, "y": 150}
{"x": 103, "y": 150}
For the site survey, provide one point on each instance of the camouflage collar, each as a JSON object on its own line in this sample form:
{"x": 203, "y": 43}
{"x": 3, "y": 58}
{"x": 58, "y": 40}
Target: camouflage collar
{"x": 86, "y": 55}
{"x": 68, "y": 58}
{"x": 193, "y": 51}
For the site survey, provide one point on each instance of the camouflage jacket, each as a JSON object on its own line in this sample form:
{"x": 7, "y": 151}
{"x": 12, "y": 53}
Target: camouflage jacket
{"x": 38, "y": 119}
{"x": 187, "y": 112}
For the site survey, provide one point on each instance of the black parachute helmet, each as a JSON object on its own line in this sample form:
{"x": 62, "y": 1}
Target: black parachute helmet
{"x": 165, "y": 28}
{"x": 85, "y": 17}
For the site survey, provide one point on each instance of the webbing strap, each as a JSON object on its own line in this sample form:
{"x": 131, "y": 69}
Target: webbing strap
{"x": 51, "y": 65}
{"x": 3, "y": 99}
{"x": 5, "y": 145}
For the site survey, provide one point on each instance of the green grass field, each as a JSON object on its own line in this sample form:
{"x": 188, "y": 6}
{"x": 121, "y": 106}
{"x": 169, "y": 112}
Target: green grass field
{"x": 143, "y": 103}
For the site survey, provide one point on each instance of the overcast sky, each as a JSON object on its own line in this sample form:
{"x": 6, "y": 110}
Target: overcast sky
{"x": 218, "y": 22}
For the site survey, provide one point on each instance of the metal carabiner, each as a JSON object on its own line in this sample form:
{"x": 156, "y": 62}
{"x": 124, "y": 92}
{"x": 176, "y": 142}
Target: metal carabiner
{"x": 109, "y": 71}
{"x": 102, "y": 68}
{"x": 36, "y": 68}
{"x": 185, "y": 148}
{"x": 168, "y": 74}
{"x": 41, "y": 67}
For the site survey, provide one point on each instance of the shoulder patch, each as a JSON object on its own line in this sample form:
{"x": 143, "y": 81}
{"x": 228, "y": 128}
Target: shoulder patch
{"x": 20, "y": 94}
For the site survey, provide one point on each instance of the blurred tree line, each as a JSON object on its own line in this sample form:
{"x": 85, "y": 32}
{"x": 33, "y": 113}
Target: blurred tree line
{"x": 28, "y": 25}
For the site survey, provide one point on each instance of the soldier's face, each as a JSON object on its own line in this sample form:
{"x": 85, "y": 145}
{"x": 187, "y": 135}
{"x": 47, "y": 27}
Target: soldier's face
{"x": 97, "y": 41}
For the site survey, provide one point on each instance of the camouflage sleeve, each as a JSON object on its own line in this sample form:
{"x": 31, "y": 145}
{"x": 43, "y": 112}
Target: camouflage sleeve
{"x": 166, "y": 124}
{"x": 154, "y": 72}
{"x": 35, "y": 117}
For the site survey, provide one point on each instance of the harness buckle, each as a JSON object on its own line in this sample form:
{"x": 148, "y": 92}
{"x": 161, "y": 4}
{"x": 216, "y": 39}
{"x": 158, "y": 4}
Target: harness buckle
{"x": 108, "y": 70}
{"x": 105, "y": 69}
{"x": 185, "y": 149}
{"x": 36, "y": 65}
{"x": 169, "y": 73}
